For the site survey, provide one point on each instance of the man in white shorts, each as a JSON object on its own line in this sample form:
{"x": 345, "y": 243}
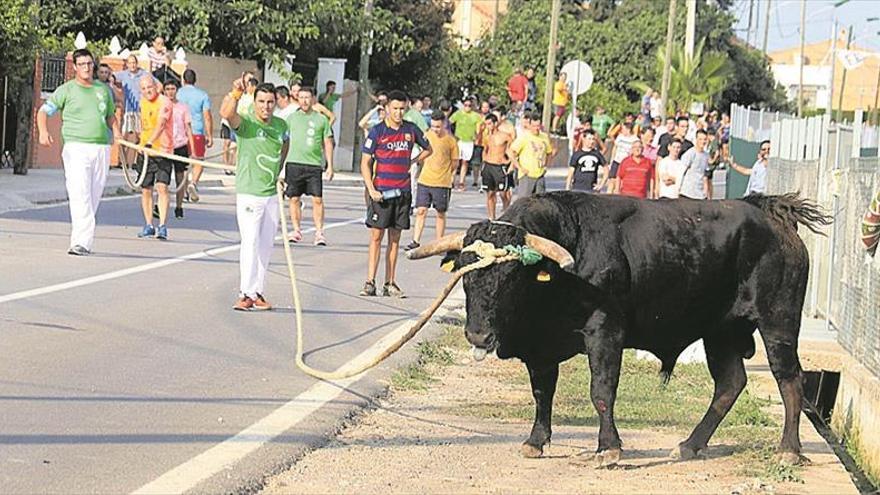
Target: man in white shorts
{"x": 466, "y": 122}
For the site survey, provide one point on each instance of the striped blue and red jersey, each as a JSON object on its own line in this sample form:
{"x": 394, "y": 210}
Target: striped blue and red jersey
{"x": 392, "y": 150}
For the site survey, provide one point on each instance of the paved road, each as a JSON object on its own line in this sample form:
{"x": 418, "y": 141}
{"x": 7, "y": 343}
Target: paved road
{"x": 120, "y": 367}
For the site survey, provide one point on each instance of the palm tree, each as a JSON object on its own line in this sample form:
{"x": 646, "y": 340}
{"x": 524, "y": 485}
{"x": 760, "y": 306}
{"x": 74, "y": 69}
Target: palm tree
{"x": 692, "y": 79}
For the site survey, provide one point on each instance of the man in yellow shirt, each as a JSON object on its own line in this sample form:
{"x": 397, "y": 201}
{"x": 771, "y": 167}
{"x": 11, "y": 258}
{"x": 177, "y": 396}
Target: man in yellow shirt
{"x": 561, "y": 97}
{"x": 435, "y": 180}
{"x": 529, "y": 154}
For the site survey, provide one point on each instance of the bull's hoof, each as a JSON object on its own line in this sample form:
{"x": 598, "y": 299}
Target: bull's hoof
{"x": 606, "y": 459}
{"x": 792, "y": 459}
{"x": 684, "y": 453}
{"x": 530, "y": 451}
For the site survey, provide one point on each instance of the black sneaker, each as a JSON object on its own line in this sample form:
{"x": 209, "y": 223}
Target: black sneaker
{"x": 155, "y": 211}
{"x": 369, "y": 288}
{"x": 392, "y": 290}
{"x": 178, "y": 212}
{"x": 412, "y": 245}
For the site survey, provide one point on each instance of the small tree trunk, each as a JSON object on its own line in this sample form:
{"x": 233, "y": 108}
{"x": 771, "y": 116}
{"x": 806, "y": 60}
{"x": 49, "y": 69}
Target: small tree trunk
{"x": 24, "y": 91}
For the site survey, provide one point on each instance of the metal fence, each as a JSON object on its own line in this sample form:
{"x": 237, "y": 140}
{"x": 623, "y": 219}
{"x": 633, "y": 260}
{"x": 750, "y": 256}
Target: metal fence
{"x": 829, "y": 163}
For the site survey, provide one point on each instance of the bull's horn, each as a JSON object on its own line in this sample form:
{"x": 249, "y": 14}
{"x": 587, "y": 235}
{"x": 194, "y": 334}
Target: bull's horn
{"x": 550, "y": 249}
{"x": 450, "y": 242}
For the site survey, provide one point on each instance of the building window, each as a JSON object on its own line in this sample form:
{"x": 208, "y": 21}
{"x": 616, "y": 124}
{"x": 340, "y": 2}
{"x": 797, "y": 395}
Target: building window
{"x": 52, "y": 73}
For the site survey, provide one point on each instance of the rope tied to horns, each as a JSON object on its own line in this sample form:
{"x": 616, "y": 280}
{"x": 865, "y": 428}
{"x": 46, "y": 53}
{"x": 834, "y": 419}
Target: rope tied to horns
{"x": 487, "y": 251}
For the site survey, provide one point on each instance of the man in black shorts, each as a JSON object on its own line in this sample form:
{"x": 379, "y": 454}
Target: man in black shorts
{"x": 389, "y": 144}
{"x": 183, "y": 142}
{"x": 495, "y": 163}
{"x": 311, "y": 142}
{"x": 156, "y": 133}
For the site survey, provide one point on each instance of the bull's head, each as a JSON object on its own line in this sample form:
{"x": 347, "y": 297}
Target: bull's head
{"x": 495, "y": 295}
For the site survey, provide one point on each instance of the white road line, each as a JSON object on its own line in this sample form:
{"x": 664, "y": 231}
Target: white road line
{"x": 15, "y": 296}
{"x": 224, "y": 455}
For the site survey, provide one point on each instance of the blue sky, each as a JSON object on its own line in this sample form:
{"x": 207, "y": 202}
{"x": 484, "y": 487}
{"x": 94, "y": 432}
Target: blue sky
{"x": 786, "y": 15}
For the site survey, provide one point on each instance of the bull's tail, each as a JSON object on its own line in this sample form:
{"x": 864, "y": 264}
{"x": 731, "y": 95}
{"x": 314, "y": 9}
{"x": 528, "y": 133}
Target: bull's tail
{"x": 790, "y": 210}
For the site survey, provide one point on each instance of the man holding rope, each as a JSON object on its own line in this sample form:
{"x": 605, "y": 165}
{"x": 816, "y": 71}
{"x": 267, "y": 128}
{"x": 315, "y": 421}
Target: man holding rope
{"x": 263, "y": 141}
{"x": 184, "y": 141}
{"x": 88, "y": 115}
{"x": 156, "y": 133}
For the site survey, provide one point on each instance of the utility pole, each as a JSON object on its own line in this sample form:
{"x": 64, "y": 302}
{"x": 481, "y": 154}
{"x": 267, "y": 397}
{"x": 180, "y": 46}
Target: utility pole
{"x": 691, "y": 27}
{"x": 670, "y": 31}
{"x": 766, "y": 28}
{"x": 843, "y": 79}
{"x": 749, "y": 30}
{"x": 495, "y": 19}
{"x": 363, "y": 102}
{"x": 551, "y": 63}
{"x": 877, "y": 97}
{"x": 801, "y": 64}
{"x": 829, "y": 106}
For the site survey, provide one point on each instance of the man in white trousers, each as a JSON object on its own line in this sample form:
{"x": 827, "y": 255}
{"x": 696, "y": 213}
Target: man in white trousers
{"x": 263, "y": 141}
{"x": 87, "y": 115}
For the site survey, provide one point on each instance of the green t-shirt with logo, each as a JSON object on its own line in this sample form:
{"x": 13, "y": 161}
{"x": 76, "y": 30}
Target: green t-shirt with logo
{"x": 259, "y": 155}
{"x": 307, "y": 134}
{"x": 84, "y": 111}
{"x": 466, "y": 124}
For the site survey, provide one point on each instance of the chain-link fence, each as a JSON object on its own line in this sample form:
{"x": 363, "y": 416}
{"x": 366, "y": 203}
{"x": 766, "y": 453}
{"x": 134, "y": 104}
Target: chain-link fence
{"x": 827, "y": 163}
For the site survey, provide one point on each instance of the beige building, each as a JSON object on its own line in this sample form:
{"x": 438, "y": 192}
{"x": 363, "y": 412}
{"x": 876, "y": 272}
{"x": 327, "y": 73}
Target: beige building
{"x": 472, "y": 19}
{"x": 861, "y": 83}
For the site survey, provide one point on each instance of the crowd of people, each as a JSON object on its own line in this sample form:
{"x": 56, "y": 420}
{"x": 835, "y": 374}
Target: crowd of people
{"x": 413, "y": 155}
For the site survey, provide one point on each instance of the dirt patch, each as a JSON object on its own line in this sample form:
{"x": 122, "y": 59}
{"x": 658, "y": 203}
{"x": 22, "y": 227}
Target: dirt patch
{"x": 429, "y": 439}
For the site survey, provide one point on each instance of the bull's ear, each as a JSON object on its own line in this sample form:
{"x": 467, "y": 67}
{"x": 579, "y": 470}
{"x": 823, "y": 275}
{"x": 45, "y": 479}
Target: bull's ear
{"x": 450, "y": 261}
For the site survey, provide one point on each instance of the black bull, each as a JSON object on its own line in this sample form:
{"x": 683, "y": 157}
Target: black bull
{"x": 652, "y": 275}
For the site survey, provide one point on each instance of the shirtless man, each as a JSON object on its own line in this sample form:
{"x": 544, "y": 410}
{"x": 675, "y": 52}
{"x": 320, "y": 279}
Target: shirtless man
{"x": 496, "y": 162}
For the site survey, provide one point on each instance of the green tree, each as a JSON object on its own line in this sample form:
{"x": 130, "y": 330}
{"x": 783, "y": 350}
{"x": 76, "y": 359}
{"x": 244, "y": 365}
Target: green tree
{"x": 700, "y": 78}
{"x": 20, "y": 41}
{"x": 259, "y": 29}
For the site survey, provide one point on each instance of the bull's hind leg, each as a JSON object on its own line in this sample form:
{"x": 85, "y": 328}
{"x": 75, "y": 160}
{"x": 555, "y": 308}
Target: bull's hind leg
{"x": 605, "y": 357}
{"x": 543, "y": 379}
{"x": 781, "y": 344}
{"x": 729, "y": 374}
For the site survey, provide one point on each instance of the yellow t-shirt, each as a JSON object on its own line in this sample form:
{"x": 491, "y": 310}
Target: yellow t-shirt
{"x": 532, "y": 151}
{"x": 439, "y": 168}
{"x": 560, "y": 94}
{"x": 151, "y": 111}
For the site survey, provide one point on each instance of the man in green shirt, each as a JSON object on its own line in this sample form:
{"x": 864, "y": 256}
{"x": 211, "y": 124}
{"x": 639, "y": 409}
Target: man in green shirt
{"x": 311, "y": 143}
{"x": 263, "y": 141}
{"x": 602, "y": 123}
{"x": 88, "y": 114}
{"x": 466, "y": 122}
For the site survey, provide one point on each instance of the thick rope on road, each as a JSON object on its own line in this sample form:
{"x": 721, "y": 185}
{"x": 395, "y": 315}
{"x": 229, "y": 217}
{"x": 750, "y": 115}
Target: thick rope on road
{"x": 487, "y": 255}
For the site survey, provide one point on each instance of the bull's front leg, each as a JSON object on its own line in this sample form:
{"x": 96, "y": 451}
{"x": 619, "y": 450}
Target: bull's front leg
{"x": 543, "y": 379}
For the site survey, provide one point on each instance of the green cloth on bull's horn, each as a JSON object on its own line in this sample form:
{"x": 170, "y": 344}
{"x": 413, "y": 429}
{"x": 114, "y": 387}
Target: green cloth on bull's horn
{"x": 527, "y": 256}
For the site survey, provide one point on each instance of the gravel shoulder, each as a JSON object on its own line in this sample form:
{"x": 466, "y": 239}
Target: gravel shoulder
{"x": 436, "y": 433}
